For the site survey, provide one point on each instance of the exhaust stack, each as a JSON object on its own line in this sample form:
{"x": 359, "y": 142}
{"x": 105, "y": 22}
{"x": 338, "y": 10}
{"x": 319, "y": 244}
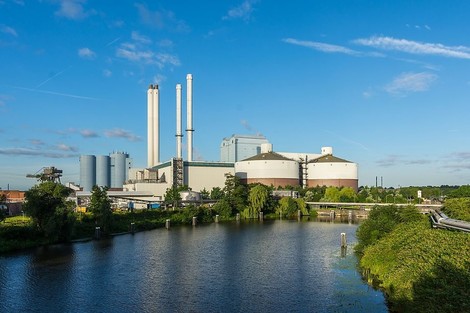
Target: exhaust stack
{"x": 189, "y": 116}
{"x": 153, "y": 125}
{"x": 179, "y": 135}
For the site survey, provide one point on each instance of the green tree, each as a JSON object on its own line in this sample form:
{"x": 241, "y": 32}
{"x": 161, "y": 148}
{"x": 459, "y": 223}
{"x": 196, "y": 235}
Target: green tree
{"x": 204, "y": 194}
{"x": 347, "y": 194}
{"x": 172, "y": 196}
{"x": 217, "y": 193}
{"x": 286, "y": 207}
{"x": 258, "y": 198}
{"x": 50, "y": 211}
{"x": 236, "y": 193}
{"x": 3, "y": 202}
{"x": 100, "y": 206}
{"x": 331, "y": 195}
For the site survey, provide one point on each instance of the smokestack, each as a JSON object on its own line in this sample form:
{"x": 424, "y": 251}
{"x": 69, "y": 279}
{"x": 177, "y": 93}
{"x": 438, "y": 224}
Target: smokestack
{"x": 189, "y": 117}
{"x": 179, "y": 135}
{"x": 153, "y": 124}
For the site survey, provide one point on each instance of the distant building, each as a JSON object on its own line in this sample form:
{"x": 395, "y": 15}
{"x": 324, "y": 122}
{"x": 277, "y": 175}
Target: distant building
{"x": 240, "y": 147}
{"x": 104, "y": 171}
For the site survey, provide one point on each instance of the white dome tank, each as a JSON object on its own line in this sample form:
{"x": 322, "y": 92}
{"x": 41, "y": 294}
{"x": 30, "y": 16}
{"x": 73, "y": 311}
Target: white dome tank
{"x": 268, "y": 168}
{"x": 329, "y": 170}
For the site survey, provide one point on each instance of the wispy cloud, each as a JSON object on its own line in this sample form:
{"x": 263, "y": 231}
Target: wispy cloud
{"x": 34, "y": 152}
{"x": 323, "y": 47}
{"x": 64, "y": 147}
{"x": 121, "y": 133}
{"x": 140, "y": 38}
{"x": 4, "y": 99}
{"x": 37, "y": 142}
{"x": 161, "y": 19}
{"x": 243, "y": 11}
{"x": 414, "y": 47}
{"x": 407, "y": 83}
{"x": 8, "y": 30}
{"x": 107, "y": 73}
{"x": 73, "y": 9}
{"x": 87, "y": 133}
{"x": 138, "y": 52}
{"x": 86, "y": 53}
{"x": 394, "y": 160}
{"x": 113, "y": 41}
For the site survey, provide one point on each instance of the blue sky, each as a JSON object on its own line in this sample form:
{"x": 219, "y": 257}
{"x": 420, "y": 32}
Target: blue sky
{"x": 385, "y": 83}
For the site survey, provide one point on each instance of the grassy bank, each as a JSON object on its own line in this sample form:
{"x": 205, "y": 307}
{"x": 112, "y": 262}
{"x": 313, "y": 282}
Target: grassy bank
{"x": 421, "y": 269}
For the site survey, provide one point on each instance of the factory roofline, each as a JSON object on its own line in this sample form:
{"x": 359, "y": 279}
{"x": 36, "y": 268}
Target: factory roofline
{"x": 245, "y": 136}
{"x": 268, "y": 156}
{"x": 329, "y": 158}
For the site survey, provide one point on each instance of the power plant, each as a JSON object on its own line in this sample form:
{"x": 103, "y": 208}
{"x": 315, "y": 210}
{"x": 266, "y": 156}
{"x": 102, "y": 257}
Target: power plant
{"x": 249, "y": 157}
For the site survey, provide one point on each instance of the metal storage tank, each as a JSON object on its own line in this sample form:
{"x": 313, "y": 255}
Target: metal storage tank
{"x": 119, "y": 168}
{"x": 103, "y": 171}
{"x": 268, "y": 168}
{"x": 87, "y": 172}
{"x": 332, "y": 171}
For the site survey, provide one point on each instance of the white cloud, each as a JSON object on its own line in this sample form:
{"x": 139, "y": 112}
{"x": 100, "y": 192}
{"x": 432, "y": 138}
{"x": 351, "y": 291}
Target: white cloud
{"x": 243, "y": 11}
{"x": 64, "y": 147}
{"x": 410, "y": 82}
{"x": 323, "y": 47}
{"x": 8, "y": 30}
{"x": 161, "y": 19}
{"x": 414, "y": 47}
{"x": 158, "y": 79}
{"x": 122, "y": 133}
{"x": 86, "y": 53}
{"x": 107, "y": 73}
{"x": 73, "y": 9}
{"x": 133, "y": 53}
{"x": 87, "y": 133}
{"x": 140, "y": 38}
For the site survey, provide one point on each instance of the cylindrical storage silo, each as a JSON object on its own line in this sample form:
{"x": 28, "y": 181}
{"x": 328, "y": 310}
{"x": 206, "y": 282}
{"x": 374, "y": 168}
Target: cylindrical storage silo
{"x": 87, "y": 172}
{"x": 269, "y": 169}
{"x": 331, "y": 171}
{"x": 103, "y": 171}
{"x": 118, "y": 169}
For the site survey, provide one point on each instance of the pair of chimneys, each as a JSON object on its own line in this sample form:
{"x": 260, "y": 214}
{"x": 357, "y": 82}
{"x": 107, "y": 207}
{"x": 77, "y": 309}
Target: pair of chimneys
{"x": 153, "y": 122}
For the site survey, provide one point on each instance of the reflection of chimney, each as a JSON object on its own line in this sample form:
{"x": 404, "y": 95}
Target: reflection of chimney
{"x": 189, "y": 116}
{"x": 179, "y": 135}
{"x": 153, "y": 124}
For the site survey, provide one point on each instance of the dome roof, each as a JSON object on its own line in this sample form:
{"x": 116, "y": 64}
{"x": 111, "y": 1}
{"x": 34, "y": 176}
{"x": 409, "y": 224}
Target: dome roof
{"x": 329, "y": 159}
{"x": 268, "y": 156}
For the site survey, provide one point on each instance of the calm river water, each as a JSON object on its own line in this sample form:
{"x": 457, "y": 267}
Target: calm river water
{"x": 272, "y": 266}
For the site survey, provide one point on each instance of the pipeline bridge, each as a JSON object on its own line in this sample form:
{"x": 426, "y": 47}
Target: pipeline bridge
{"x": 438, "y": 219}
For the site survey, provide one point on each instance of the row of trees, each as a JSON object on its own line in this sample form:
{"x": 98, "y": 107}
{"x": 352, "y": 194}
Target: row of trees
{"x": 53, "y": 214}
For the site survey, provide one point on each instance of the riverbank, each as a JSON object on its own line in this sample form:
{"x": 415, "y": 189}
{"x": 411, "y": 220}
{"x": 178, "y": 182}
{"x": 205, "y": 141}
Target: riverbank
{"x": 421, "y": 269}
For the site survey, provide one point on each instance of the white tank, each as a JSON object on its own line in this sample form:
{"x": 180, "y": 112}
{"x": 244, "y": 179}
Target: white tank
{"x": 326, "y": 150}
{"x": 329, "y": 170}
{"x": 269, "y": 169}
{"x": 266, "y": 147}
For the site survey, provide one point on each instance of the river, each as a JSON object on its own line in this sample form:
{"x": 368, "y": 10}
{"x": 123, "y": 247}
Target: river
{"x": 270, "y": 266}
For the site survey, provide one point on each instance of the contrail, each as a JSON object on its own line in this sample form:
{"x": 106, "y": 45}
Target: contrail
{"x": 113, "y": 41}
{"x": 53, "y": 76}
{"x": 56, "y": 93}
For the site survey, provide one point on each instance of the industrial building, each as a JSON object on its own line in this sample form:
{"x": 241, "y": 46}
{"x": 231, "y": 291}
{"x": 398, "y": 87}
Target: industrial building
{"x": 104, "y": 171}
{"x": 249, "y": 157}
{"x": 241, "y": 147}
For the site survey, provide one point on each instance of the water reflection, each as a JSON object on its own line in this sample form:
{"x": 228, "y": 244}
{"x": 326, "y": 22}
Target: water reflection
{"x": 277, "y": 266}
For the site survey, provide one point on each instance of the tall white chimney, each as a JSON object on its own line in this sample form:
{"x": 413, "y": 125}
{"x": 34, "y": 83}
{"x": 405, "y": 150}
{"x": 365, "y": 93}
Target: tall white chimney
{"x": 153, "y": 124}
{"x": 189, "y": 117}
{"x": 150, "y": 127}
{"x": 179, "y": 135}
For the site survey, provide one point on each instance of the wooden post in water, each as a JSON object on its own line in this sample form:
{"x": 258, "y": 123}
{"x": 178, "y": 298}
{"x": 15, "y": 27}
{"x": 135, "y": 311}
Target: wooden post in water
{"x": 167, "y": 224}
{"x": 299, "y": 214}
{"x": 132, "y": 227}
{"x": 332, "y": 214}
{"x": 97, "y": 232}
{"x": 343, "y": 240}
{"x": 238, "y": 217}
{"x": 261, "y": 215}
{"x": 217, "y": 218}
{"x": 194, "y": 220}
